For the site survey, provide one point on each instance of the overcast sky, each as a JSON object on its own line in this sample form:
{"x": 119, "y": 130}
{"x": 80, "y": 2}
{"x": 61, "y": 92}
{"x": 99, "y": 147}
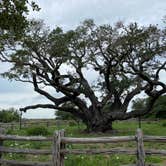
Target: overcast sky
{"x": 68, "y": 14}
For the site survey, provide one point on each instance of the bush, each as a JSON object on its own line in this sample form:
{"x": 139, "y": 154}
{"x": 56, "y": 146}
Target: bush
{"x": 40, "y": 130}
{"x": 9, "y": 115}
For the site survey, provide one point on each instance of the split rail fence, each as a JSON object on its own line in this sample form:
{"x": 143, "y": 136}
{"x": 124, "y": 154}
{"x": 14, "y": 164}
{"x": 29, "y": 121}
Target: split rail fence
{"x": 59, "y": 149}
{"x": 26, "y": 124}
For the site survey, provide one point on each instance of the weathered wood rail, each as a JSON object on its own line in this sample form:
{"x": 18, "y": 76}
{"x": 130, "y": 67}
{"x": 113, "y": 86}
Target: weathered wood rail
{"x": 59, "y": 149}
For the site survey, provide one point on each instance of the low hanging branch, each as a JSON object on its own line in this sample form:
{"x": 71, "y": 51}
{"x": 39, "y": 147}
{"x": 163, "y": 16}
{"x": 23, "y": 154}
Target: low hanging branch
{"x": 38, "y": 106}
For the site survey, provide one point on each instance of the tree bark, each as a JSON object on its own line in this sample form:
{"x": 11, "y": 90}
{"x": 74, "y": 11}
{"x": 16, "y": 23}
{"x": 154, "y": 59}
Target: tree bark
{"x": 99, "y": 125}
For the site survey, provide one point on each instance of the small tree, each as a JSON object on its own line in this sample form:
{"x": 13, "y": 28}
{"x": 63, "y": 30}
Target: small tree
{"x": 9, "y": 115}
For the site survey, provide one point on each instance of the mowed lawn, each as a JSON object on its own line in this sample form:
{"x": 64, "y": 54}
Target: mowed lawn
{"x": 157, "y": 128}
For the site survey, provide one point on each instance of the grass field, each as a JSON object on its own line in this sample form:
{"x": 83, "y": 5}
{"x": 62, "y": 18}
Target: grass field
{"x": 73, "y": 130}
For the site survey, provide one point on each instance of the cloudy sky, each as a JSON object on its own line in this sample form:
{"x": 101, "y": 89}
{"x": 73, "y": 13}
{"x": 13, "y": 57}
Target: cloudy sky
{"x": 68, "y": 14}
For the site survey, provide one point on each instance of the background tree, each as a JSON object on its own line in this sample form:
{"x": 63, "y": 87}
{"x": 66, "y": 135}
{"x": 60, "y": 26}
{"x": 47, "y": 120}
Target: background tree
{"x": 122, "y": 61}
{"x": 9, "y": 115}
{"x": 158, "y": 110}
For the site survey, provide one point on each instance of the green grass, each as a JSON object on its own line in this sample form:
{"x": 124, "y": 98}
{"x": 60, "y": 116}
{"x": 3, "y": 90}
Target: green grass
{"x": 71, "y": 130}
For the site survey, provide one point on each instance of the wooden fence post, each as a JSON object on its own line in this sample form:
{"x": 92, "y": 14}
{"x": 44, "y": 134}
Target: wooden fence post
{"x": 47, "y": 123}
{"x": 62, "y": 146}
{"x": 140, "y": 148}
{"x": 2, "y": 131}
{"x": 56, "y": 149}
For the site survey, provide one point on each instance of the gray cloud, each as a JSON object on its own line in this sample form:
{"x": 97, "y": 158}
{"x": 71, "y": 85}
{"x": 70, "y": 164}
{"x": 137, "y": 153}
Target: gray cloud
{"x": 70, "y": 13}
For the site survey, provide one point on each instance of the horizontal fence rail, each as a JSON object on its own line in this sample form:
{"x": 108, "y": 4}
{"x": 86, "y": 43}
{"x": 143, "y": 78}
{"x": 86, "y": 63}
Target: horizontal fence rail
{"x": 97, "y": 140}
{"x": 154, "y": 138}
{"x": 24, "y": 138}
{"x": 99, "y": 151}
{"x": 59, "y": 149}
{"x": 24, "y": 163}
{"x": 24, "y": 151}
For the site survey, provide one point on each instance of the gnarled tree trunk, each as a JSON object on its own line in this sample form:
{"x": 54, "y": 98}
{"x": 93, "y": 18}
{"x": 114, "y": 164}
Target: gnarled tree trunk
{"x": 99, "y": 126}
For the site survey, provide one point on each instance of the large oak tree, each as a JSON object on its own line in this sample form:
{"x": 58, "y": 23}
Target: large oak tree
{"x": 122, "y": 60}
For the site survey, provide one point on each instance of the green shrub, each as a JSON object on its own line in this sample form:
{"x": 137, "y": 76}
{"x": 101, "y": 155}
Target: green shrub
{"x": 39, "y": 130}
{"x": 9, "y": 115}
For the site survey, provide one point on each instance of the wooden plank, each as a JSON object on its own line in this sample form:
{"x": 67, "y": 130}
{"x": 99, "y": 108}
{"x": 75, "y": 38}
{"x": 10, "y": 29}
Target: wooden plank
{"x": 140, "y": 149}
{"x": 154, "y": 138}
{"x": 24, "y": 138}
{"x": 97, "y": 140}
{"x": 24, "y": 151}
{"x": 23, "y": 163}
{"x": 99, "y": 151}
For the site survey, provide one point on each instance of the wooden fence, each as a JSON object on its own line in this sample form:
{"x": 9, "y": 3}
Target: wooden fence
{"x": 26, "y": 124}
{"x": 59, "y": 149}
